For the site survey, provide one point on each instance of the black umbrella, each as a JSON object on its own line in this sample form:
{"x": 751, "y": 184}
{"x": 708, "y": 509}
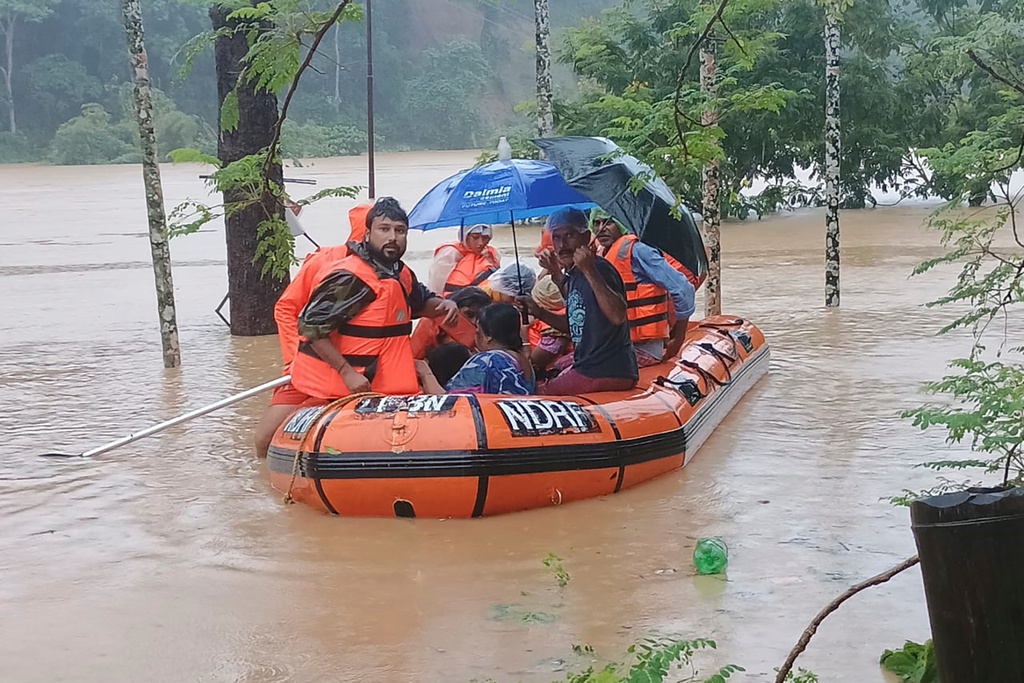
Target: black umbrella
{"x": 599, "y": 169}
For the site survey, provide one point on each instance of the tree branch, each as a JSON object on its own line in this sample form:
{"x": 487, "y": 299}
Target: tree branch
{"x": 686, "y": 67}
{"x": 317, "y": 38}
{"x": 831, "y": 607}
{"x": 1019, "y": 87}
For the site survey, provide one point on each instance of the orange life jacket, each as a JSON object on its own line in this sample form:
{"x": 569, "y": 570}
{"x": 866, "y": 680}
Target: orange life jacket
{"x": 472, "y": 269}
{"x": 647, "y": 306}
{"x": 377, "y": 338}
{"x": 296, "y": 295}
{"x": 694, "y": 280}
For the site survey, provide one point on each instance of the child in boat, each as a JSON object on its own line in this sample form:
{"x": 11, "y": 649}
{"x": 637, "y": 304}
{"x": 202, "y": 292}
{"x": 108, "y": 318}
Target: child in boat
{"x": 549, "y": 348}
{"x": 501, "y": 368}
{"x": 429, "y": 334}
{"x": 446, "y": 360}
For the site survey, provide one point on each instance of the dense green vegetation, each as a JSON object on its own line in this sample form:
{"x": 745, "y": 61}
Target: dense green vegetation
{"x": 907, "y": 84}
{"x": 448, "y": 74}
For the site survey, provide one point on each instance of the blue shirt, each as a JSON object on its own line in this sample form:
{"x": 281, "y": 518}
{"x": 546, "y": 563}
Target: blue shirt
{"x": 600, "y": 349}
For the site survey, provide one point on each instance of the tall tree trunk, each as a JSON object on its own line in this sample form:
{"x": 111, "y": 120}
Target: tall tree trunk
{"x": 9, "y": 71}
{"x": 545, "y": 115}
{"x": 337, "y": 67}
{"x": 252, "y": 294}
{"x": 712, "y": 216}
{"x": 151, "y": 180}
{"x": 832, "y": 149}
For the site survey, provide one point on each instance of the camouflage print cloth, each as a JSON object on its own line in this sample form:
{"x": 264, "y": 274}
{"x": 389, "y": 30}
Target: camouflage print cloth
{"x": 342, "y": 296}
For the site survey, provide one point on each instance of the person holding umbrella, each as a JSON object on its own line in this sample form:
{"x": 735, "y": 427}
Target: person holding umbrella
{"x": 650, "y": 282}
{"x": 596, "y": 315}
{"x": 466, "y": 263}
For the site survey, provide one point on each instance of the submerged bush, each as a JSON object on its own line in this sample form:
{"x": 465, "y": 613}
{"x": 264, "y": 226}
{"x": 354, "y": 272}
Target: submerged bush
{"x": 89, "y": 139}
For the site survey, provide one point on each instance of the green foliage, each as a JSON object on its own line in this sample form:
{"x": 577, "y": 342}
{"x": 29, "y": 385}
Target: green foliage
{"x": 186, "y": 155}
{"x": 632, "y": 59}
{"x": 801, "y": 676}
{"x": 56, "y": 88}
{"x": 984, "y": 394}
{"x": 553, "y": 563}
{"x": 652, "y": 661}
{"x": 913, "y": 663}
{"x": 229, "y": 112}
{"x": 447, "y": 88}
{"x": 15, "y": 148}
{"x": 243, "y": 184}
{"x": 310, "y": 140}
{"x": 90, "y": 138}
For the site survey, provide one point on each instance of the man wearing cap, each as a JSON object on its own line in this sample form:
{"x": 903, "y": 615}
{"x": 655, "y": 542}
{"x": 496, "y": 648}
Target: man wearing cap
{"x": 656, "y": 329}
{"x": 466, "y": 263}
{"x": 596, "y": 315}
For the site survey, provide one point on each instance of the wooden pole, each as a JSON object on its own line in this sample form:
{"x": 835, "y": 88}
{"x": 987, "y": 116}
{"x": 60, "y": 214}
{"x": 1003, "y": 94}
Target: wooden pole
{"x": 542, "y": 25}
{"x": 159, "y": 247}
{"x": 972, "y": 561}
{"x": 372, "y": 181}
{"x": 712, "y": 215}
{"x": 832, "y": 150}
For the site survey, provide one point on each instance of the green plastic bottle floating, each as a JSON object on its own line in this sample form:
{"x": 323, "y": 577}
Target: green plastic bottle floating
{"x": 710, "y": 556}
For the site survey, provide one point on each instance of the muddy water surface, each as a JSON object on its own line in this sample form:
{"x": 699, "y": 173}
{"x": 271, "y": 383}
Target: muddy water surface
{"x": 172, "y": 559}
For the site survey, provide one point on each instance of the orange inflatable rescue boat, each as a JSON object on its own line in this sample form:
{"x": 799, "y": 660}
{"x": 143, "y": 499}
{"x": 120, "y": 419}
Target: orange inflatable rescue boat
{"x": 460, "y": 455}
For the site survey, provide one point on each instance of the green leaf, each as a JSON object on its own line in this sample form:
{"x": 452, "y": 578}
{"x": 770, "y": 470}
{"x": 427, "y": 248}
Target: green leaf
{"x": 229, "y": 115}
{"x": 186, "y": 155}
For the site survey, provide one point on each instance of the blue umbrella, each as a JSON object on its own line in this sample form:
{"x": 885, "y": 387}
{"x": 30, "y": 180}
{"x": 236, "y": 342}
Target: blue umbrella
{"x": 499, "y": 192}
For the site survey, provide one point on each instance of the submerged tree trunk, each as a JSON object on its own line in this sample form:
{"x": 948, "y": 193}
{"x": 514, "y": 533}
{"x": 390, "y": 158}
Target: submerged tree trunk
{"x": 151, "y": 179}
{"x": 832, "y": 149}
{"x": 9, "y": 70}
{"x": 545, "y": 115}
{"x": 252, "y": 294}
{"x": 337, "y": 67}
{"x": 712, "y": 218}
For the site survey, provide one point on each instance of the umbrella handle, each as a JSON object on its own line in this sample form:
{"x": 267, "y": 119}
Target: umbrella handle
{"x": 519, "y": 273}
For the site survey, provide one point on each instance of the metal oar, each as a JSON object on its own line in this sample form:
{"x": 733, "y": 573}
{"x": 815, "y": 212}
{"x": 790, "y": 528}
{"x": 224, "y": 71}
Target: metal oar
{"x": 174, "y": 421}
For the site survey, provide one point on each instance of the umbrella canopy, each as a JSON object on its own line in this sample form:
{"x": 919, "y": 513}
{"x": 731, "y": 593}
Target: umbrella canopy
{"x": 599, "y": 168}
{"x": 499, "y": 192}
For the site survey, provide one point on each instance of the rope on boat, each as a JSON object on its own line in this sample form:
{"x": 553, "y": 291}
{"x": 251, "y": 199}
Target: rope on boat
{"x": 337, "y": 403}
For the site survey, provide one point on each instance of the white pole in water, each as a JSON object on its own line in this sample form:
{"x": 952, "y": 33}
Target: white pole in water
{"x": 149, "y": 431}
{"x": 158, "y": 244}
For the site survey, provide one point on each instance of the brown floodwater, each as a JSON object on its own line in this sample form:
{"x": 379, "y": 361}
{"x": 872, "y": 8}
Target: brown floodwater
{"x": 173, "y": 560}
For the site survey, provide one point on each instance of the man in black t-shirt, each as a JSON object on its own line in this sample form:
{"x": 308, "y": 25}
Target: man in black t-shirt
{"x": 595, "y": 317}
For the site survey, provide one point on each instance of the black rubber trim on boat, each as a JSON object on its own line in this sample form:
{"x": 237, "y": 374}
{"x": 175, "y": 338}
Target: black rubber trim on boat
{"x": 622, "y": 475}
{"x": 478, "y": 422}
{"x": 316, "y": 453}
{"x": 468, "y": 463}
{"x": 481, "y": 443}
{"x": 605, "y": 414}
{"x": 481, "y": 496}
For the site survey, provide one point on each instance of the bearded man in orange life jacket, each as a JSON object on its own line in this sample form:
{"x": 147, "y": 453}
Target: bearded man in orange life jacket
{"x": 286, "y": 314}
{"x": 659, "y": 299}
{"x": 466, "y": 263}
{"x": 353, "y": 331}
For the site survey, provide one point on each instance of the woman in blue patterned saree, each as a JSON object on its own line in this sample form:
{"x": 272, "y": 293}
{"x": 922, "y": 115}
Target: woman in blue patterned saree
{"x": 501, "y": 368}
